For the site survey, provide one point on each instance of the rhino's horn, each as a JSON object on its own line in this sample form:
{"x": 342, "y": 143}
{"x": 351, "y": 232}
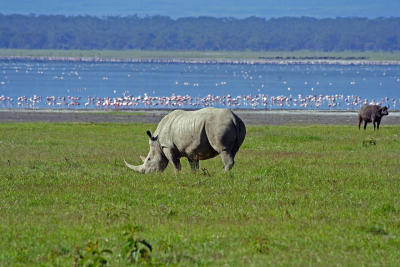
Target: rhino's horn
{"x": 139, "y": 168}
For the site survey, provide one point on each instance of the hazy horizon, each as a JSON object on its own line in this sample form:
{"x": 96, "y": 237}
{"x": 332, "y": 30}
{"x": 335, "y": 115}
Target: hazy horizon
{"x": 190, "y": 8}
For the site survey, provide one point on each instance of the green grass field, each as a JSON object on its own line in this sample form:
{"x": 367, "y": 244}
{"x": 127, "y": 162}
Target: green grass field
{"x": 203, "y": 55}
{"x": 297, "y": 195}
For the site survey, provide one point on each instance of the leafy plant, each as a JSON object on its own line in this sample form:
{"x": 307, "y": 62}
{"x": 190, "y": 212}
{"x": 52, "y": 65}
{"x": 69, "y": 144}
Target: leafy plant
{"x": 91, "y": 255}
{"x": 136, "y": 249}
{"x": 261, "y": 245}
{"x": 369, "y": 142}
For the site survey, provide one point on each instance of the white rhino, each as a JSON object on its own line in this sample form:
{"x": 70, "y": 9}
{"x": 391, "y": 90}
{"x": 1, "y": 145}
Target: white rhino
{"x": 196, "y": 135}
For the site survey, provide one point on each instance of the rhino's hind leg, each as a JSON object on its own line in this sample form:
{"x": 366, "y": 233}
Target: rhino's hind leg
{"x": 228, "y": 159}
{"x": 194, "y": 164}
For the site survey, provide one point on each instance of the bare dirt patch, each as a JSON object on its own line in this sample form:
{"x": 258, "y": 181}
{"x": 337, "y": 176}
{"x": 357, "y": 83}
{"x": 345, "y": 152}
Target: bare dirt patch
{"x": 250, "y": 117}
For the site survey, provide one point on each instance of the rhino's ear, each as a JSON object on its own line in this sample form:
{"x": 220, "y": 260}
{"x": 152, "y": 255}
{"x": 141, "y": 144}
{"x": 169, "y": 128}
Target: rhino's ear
{"x": 142, "y": 158}
{"x": 152, "y": 138}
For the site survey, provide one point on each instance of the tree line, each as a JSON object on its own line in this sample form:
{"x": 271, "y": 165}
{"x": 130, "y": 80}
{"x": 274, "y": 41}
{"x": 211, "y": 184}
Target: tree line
{"x": 199, "y": 33}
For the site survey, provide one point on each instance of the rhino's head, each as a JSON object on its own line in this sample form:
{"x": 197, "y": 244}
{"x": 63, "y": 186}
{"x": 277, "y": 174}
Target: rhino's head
{"x": 155, "y": 160}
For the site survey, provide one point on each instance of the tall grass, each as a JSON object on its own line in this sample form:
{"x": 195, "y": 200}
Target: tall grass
{"x": 297, "y": 195}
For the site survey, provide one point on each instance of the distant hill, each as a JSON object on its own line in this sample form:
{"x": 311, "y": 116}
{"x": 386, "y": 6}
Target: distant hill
{"x": 202, "y": 33}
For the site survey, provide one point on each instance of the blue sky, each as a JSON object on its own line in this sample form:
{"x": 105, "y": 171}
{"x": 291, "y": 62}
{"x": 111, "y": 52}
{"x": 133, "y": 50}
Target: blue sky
{"x": 215, "y": 8}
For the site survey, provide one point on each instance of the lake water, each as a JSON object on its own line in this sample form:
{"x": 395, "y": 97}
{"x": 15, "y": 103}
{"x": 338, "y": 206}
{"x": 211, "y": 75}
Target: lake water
{"x": 151, "y": 85}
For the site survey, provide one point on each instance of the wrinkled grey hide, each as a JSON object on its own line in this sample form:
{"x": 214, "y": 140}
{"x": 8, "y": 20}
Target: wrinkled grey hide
{"x": 371, "y": 113}
{"x": 196, "y": 135}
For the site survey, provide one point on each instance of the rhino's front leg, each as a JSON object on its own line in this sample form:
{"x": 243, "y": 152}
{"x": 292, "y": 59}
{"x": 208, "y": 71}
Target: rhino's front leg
{"x": 228, "y": 160}
{"x": 173, "y": 158}
{"x": 194, "y": 164}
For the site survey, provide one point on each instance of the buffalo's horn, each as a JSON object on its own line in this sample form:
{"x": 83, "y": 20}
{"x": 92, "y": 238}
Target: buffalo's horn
{"x": 135, "y": 168}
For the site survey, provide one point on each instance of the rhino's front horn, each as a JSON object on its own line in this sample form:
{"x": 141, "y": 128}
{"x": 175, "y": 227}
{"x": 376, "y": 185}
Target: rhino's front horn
{"x": 139, "y": 168}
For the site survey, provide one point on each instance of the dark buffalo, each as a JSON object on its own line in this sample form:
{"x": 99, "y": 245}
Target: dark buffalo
{"x": 371, "y": 113}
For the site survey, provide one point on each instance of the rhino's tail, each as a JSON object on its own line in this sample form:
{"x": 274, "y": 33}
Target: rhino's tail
{"x": 240, "y": 133}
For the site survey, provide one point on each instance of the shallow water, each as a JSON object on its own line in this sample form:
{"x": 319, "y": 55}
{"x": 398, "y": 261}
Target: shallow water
{"x": 153, "y": 85}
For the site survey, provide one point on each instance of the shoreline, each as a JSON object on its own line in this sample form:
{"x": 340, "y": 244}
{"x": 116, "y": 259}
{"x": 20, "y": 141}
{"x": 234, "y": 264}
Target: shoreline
{"x": 255, "y": 61}
{"x": 250, "y": 117}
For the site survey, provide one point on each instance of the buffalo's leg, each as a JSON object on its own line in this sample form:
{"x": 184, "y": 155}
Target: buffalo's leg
{"x": 227, "y": 159}
{"x": 359, "y": 123}
{"x": 171, "y": 156}
{"x": 365, "y": 125}
{"x": 374, "y": 122}
{"x": 194, "y": 164}
{"x": 377, "y": 124}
